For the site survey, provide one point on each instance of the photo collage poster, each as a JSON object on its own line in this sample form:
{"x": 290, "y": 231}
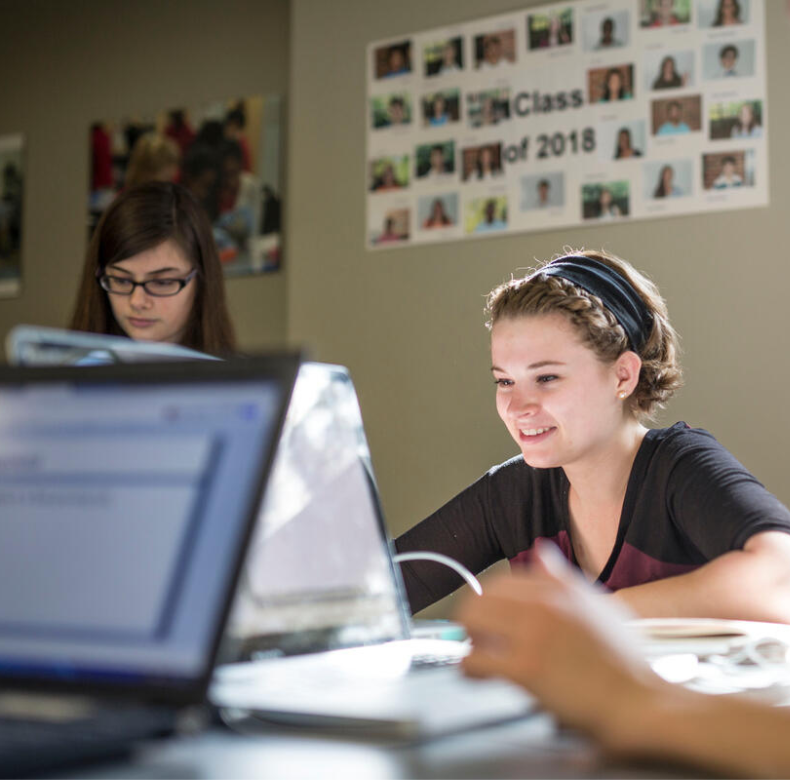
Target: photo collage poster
{"x": 566, "y": 114}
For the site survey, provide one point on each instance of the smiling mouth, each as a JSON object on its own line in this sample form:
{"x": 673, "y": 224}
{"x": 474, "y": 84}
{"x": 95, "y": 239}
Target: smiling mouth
{"x": 533, "y": 433}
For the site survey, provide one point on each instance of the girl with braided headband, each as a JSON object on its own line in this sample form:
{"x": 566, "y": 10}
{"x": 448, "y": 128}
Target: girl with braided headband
{"x": 583, "y": 354}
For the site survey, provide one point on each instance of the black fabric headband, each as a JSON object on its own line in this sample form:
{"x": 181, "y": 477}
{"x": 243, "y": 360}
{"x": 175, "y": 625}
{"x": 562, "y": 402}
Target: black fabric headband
{"x": 614, "y": 290}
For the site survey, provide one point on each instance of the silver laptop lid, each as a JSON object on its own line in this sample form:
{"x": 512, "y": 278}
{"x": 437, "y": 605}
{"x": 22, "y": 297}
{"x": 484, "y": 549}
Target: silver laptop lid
{"x": 31, "y": 345}
{"x": 319, "y": 571}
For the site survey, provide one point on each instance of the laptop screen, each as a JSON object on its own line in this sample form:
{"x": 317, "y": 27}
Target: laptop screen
{"x": 127, "y": 496}
{"x": 319, "y": 573}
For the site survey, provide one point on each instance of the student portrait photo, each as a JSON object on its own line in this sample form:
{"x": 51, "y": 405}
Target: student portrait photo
{"x": 435, "y": 162}
{"x": 669, "y": 70}
{"x": 435, "y": 212}
{"x": 629, "y": 140}
{"x": 731, "y": 60}
{"x": 394, "y": 228}
{"x": 605, "y": 30}
{"x": 738, "y": 119}
{"x": 489, "y": 107}
{"x": 495, "y": 49}
{"x": 722, "y": 13}
{"x": 542, "y": 191}
{"x": 728, "y": 170}
{"x": 441, "y": 108}
{"x": 619, "y": 139}
{"x": 392, "y": 61}
{"x": 390, "y": 110}
{"x": 677, "y": 116}
{"x": 444, "y": 58}
{"x": 550, "y": 30}
{"x": 482, "y": 163}
{"x": 486, "y": 215}
{"x": 667, "y": 179}
{"x": 664, "y": 13}
{"x": 389, "y": 173}
{"x": 605, "y": 201}
{"x": 606, "y": 85}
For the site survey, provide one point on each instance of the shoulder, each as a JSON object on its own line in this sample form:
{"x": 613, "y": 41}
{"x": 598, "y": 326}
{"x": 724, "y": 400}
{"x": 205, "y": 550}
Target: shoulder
{"x": 709, "y": 494}
{"x": 679, "y": 438}
{"x": 515, "y": 474}
{"x": 512, "y": 471}
{"x": 684, "y": 454}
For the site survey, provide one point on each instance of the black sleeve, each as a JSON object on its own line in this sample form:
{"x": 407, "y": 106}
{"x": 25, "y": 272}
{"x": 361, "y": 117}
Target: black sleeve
{"x": 715, "y": 501}
{"x": 468, "y": 528}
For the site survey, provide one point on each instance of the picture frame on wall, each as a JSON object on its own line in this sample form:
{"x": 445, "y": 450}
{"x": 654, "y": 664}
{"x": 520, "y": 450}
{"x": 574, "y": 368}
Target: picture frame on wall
{"x": 227, "y": 153}
{"x": 12, "y": 171}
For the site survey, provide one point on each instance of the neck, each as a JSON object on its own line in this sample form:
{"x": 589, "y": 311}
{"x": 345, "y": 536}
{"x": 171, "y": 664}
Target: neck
{"x": 601, "y": 477}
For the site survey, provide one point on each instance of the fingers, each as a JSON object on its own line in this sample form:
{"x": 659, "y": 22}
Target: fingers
{"x": 548, "y": 561}
{"x": 518, "y": 604}
{"x": 481, "y": 663}
{"x": 507, "y": 602}
{"x": 511, "y": 636}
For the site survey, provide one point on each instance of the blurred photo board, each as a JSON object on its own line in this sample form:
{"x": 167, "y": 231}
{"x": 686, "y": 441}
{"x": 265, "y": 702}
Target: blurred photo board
{"x": 12, "y": 182}
{"x": 227, "y": 153}
{"x": 566, "y": 114}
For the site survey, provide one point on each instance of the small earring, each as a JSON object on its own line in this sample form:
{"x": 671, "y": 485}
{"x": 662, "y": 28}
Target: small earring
{"x": 622, "y": 395}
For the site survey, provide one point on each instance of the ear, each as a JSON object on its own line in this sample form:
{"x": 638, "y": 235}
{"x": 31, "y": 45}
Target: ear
{"x": 626, "y": 371}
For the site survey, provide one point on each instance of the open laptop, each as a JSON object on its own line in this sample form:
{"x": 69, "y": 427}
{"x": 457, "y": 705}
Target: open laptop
{"x": 34, "y": 345}
{"x": 323, "y": 605}
{"x": 127, "y": 496}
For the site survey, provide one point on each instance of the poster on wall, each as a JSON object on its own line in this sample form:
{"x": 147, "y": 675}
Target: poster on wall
{"x": 227, "y": 153}
{"x": 566, "y": 114}
{"x": 12, "y": 170}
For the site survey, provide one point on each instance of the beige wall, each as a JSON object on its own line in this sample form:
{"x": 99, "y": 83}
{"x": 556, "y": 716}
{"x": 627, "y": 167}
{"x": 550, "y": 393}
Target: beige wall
{"x": 64, "y": 65}
{"x": 408, "y": 322}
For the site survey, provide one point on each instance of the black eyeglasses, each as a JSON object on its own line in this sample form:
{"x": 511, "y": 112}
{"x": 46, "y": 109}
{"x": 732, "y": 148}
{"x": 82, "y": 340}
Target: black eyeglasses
{"x": 159, "y": 288}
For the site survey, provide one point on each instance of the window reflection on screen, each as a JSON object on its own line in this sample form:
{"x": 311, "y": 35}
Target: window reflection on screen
{"x": 318, "y": 573}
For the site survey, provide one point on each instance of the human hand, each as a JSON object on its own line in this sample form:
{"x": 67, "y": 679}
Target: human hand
{"x": 552, "y": 633}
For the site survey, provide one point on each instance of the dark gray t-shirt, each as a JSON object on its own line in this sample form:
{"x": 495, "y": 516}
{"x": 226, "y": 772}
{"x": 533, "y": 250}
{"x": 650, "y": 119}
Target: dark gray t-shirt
{"x": 688, "y": 501}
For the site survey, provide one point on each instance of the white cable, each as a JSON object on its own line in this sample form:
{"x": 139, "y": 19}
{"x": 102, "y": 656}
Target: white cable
{"x": 470, "y": 578}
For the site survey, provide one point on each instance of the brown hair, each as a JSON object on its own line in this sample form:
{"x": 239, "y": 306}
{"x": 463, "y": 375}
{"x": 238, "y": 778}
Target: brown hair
{"x": 140, "y": 219}
{"x": 539, "y": 293}
{"x": 151, "y": 155}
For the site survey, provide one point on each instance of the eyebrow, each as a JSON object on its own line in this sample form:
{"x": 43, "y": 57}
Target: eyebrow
{"x": 150, "y": 273}
{"x": 533, "y": 366}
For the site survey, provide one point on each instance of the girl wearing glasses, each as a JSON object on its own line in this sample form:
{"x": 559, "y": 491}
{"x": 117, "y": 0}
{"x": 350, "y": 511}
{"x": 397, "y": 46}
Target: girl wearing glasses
{"x": 152, "y": 273}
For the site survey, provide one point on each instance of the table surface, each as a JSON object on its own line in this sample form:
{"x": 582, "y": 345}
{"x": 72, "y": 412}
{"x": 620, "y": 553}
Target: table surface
{"x": 531, "y": 747}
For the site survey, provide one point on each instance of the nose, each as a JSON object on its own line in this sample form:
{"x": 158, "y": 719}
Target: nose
{"x": 522, "y": 404}
{"x": 139, "y": 299}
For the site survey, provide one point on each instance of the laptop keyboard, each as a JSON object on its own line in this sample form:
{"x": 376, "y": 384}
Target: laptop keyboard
{"x": 433, "y": 660}
{"x": 34, "y": 745}
{"x": 383, "y": 663}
